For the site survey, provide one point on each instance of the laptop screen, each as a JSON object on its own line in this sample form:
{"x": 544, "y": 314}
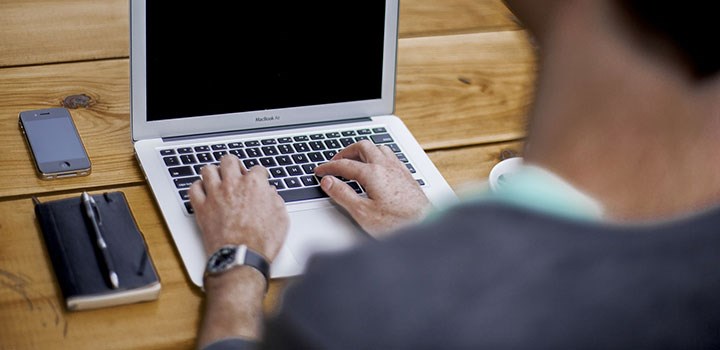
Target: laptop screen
{"x": 218, "y": 57}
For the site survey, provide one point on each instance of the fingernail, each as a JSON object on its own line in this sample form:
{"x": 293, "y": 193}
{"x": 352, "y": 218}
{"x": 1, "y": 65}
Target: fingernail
{"x": 327, "y": 183}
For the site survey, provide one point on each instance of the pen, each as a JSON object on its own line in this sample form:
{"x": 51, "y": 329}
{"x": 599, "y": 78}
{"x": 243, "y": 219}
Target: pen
{"x": 106, "y": 263}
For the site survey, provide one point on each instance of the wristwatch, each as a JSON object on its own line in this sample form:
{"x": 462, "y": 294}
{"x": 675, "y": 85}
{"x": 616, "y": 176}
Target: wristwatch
{"x": 230, "y": 256}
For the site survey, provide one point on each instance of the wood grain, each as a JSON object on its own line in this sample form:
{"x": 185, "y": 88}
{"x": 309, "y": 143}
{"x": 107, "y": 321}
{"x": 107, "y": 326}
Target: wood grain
{"x": 441, "y": 110}
{"x": 46, "y": 31}
{"x": 433, "y": 17}
{"x": 465, "y": 89}
{"x": 33, "y": 313}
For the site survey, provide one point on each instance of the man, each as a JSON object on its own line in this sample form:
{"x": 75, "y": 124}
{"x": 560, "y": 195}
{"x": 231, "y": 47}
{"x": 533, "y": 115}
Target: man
{"x": 626, "y": 119}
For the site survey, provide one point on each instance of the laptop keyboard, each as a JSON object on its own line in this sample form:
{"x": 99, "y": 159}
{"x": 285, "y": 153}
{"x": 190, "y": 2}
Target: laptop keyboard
{"x": 290, "y": 160}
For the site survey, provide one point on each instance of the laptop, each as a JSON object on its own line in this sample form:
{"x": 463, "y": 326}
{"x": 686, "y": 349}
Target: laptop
{"x": 285, "y": 84}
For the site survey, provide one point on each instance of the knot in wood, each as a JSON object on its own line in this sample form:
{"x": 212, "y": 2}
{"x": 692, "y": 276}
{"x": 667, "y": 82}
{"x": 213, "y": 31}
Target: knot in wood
{"x": 77, "y": 101}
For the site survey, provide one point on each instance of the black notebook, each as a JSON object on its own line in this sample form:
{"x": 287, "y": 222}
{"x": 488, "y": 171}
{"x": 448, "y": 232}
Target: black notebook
{"x": 71, "y": 243}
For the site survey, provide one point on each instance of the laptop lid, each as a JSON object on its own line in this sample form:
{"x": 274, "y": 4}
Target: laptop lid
{"x": 201, "y": 68}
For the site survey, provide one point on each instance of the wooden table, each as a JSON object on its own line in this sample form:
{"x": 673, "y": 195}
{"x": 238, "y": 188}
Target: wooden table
{"x": 465, "y": 79}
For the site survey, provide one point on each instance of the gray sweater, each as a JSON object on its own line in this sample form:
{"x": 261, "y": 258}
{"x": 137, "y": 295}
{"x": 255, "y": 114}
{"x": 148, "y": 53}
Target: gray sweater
{"x": 498, "y": 277}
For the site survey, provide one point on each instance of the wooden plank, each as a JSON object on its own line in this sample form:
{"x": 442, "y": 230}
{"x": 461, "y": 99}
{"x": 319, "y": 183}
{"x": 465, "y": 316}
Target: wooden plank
{"x": 469, "y": 167}
{"x": 45, "y": 31}
{"x": 465, "y": 89}
{"x": 439, "y": 108}
{"x": 33, "y": 313}
{"x": 433, "y": 17}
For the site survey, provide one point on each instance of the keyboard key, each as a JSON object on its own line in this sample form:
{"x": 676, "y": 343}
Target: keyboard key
{"x": 185, "y": 195}
{"x": 360, "y": 138}
{"x": 301, "y": 138}
{"x": 253, "y": 152}
{"x": 402, "y": 157}
{"x": 301, "y": 147}
{"x": 308, "y": 169}
{"x": 219, "y": 155}
{"x": 395, "y": 148}
{"x": 181, "y": 171}
{"x": 309, "y": 180}
{"x": 286, "y": 149}
{"x": 277, "y": 183}
{"x": 167, "y": 152}
{"x": 294, "y": 170}
{"x": 299, "y": 158}
{"x": 420, "y": 182}
{"x": 205, "y": 158}
{"x": 379, "y": 130}
{"x": 238, "y": 153}
{"x": 269, "y": 142}
{"x": 199, "y": 167}
{"x": 185, "y": 150}
{"x": 348, "y": 133}
{"x": 315, "y": 157}
{"x": 219, "y": 147}
{"x": 347, "y": 141}
{"x": 382, "y": 138}
{"x": 332, "y": 144}
{"x": 411, "y": 168}
{"x": 317, "y": 146}
{"x": 364, "y": 132}
{"x": 292, "y": 182}
{"x": 277, "y": 172}
{"x": 268, "y": 162}
{"x": 249, "y": 163}
{"x": 188, "y": 159}
{"x": 333, "y": 135}
{"x": 189, "y": 208}
{"x": 252, "y": 143}
{"x": 170, "y": 161}
{"x": 285, "y": 140}
{"x": 284, "y": 160}
{"x": 317, "y": 137}
{"x": 329, "y": 154}
{"x": 185, "y": 182}
{"x": 304, "y": 193}
{"x": 270, "y": 151}
{"x": 202, "y": 149}
{"x": 234, "y": 145}
{"x": 355, "y": 186}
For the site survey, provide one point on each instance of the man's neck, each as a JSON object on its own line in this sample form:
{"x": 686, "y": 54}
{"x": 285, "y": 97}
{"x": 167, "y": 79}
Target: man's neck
{"x": 627, "y": 128}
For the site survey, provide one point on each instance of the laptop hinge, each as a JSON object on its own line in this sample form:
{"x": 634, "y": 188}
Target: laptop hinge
{"x": 274, "y": 128}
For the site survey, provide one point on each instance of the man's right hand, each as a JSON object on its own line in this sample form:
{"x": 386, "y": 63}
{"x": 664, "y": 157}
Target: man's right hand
{"x": 394, "y": 198}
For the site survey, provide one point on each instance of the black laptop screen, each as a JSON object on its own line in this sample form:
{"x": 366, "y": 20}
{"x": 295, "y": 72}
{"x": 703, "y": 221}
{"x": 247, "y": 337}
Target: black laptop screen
{"x": 217, "y": 57}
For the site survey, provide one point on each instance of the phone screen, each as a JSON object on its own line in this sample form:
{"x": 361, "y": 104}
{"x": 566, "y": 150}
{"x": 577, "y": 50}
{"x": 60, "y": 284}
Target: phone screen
{"x": 53, "y": 140}
{"x": 55, "y": 143}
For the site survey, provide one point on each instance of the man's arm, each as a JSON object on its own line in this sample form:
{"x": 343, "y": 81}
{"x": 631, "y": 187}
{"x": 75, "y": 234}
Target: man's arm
{"x": 237, "y": 207}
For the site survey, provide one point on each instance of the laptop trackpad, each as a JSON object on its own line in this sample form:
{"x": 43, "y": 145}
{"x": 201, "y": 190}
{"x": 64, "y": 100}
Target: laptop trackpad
{"x": 321, "y": 230}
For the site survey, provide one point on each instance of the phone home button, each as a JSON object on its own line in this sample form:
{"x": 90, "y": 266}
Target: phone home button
{"x": 64, "y": 165}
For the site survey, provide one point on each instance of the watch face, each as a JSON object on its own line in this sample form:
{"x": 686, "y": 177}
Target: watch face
{"x": 222, "y": 259}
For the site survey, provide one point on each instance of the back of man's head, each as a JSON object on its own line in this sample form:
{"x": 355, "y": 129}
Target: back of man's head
{"x": 689, "y": 28}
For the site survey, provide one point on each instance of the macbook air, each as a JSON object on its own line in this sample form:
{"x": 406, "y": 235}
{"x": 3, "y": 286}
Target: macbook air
{"x": 283, "y": 84}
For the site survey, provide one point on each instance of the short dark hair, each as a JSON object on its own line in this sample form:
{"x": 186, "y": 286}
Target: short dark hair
{"x": 689, "y": 27}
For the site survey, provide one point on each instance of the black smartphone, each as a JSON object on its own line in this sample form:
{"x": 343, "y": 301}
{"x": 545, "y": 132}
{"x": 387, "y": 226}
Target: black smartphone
{"x": 54, "y": 143}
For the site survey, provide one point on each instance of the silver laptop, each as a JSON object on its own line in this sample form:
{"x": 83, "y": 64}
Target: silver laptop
{"x": 284, "y": 84}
